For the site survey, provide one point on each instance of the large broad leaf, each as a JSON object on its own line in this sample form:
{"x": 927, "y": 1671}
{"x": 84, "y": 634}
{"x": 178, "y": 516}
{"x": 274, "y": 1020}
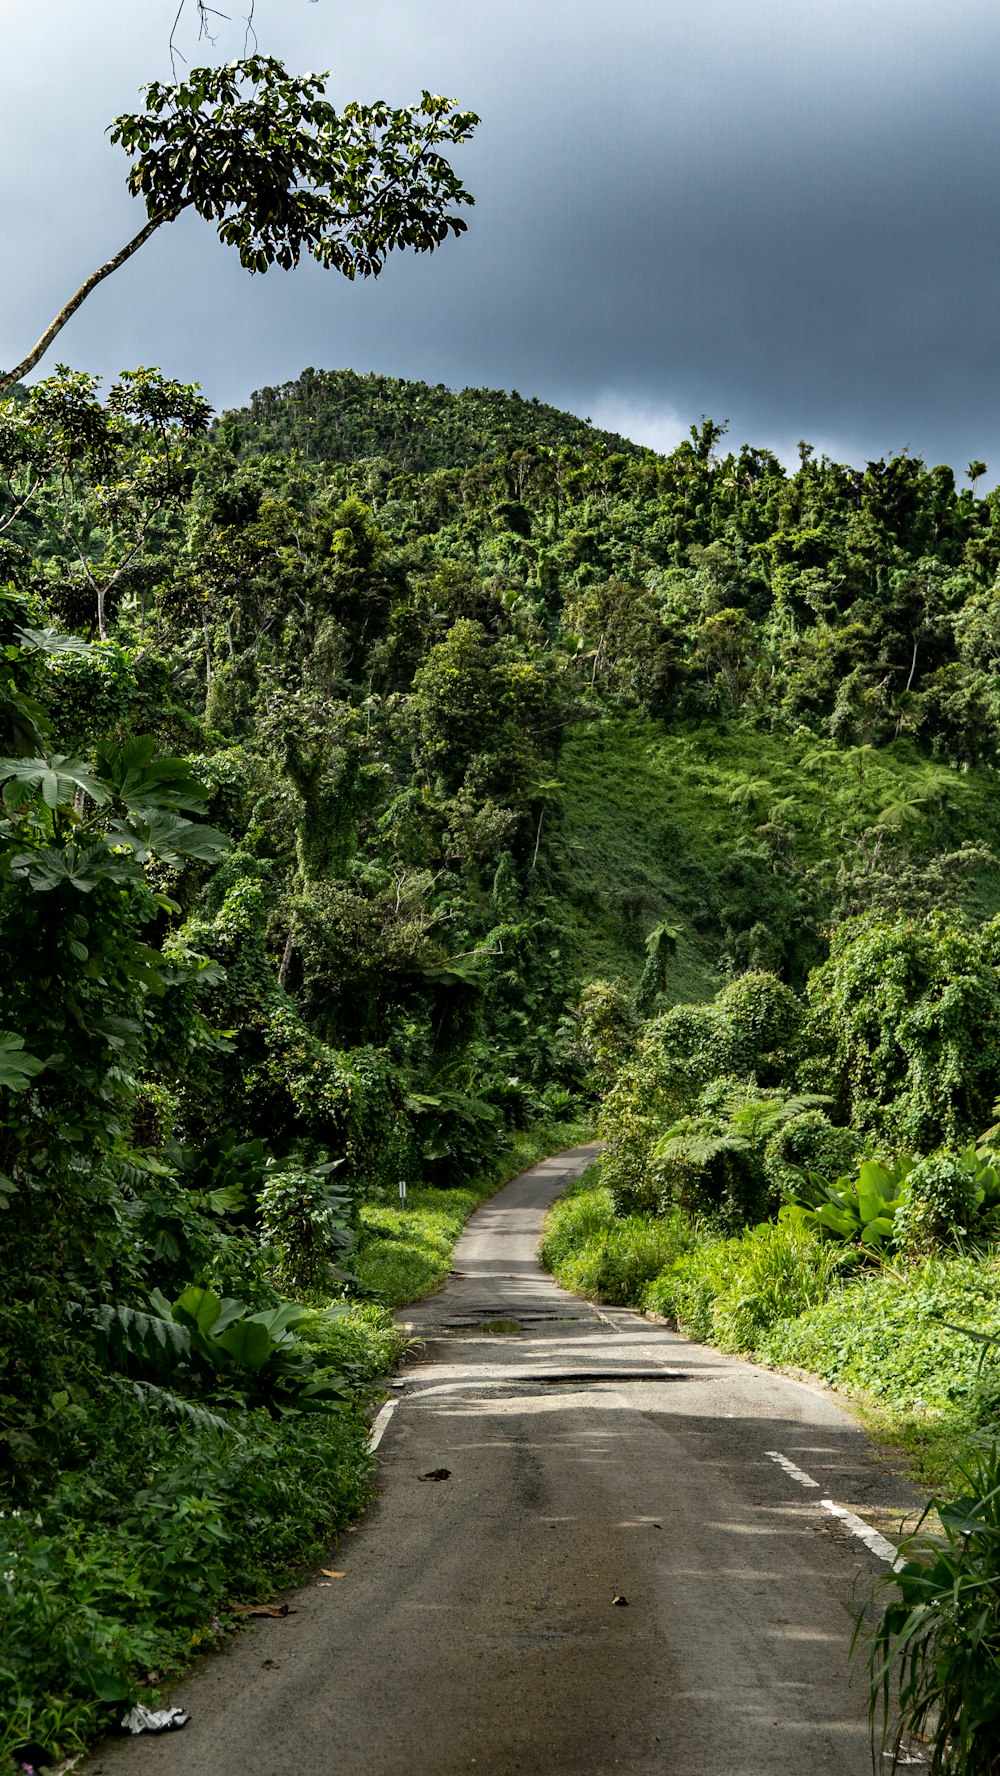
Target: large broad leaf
{"x": 56, "y": 641}
{"x": 277, "y": 1321}
{"x": 16, "y": 1067}
{"x": 56, "y": 779}
{"x": 146, "y": 783}
{"x": 169, "y": 837}
{"x": 198, "y": 1308}
{"x": 248, "y": 1343}
{"x": 837, "y": 1220}
{"x": 81, "y": 867}
{"x": 880, "y": 1228}
{"x": 874, "y": 1180}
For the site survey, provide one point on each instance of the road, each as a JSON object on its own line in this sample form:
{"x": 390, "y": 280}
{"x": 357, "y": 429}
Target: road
{"x": 591, "y": 1456}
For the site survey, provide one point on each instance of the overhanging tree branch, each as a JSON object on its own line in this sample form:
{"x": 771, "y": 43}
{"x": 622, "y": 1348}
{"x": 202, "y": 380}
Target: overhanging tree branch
{"x": 278, "y": 171}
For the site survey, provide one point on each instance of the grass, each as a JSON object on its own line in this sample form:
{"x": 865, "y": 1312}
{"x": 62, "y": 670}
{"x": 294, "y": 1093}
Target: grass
{"x": 156, "y": 1526}
{"x": 649, "y": 815}
{"x": 594, "y": 1252}
{"x": 405, "y": 1253}
{"x": 885, "y": 1339}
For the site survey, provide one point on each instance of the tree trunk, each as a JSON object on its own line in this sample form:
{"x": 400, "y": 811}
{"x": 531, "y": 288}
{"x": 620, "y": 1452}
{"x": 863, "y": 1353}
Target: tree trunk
{"x": 9, "y": 377}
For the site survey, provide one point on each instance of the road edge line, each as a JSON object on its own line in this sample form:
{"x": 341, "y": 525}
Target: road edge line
{"x": 381, "y": 1425}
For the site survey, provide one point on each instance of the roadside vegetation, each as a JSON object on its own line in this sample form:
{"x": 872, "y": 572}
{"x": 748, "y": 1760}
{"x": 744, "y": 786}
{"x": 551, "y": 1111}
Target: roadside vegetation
{"x": 389, "y": 777}
{"x": 404, "y": 1248}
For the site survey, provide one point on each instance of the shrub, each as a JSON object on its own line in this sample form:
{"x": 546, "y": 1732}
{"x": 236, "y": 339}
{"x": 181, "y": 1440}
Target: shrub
{"x": 733, "y": 1292}
{"x": 596, "y": 1252}
{"x": 940, "y": 1203}
{"x": 905, "y": 1027}
{"x": 306, "y": 1225}
{"x": 809, "y": 1142}
{"x": 892, "y": 1335}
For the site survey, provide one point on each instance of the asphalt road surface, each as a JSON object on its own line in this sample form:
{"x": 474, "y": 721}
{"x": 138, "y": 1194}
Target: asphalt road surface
{"x": 591, "y": 1456}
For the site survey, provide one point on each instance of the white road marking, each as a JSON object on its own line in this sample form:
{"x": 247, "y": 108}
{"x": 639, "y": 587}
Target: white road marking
{"x": 873, "y": 1541}
{"x": 790, "y": 1468}
{"x": 865, "y": 1533}
{"x": 381, "y": 1425}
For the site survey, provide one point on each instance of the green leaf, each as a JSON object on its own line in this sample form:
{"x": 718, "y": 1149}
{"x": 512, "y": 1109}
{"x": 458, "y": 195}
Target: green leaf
{"x": 249, "y": 1344}
{"x": 198, "y": 1308}
{"x": 16, "y": 1067}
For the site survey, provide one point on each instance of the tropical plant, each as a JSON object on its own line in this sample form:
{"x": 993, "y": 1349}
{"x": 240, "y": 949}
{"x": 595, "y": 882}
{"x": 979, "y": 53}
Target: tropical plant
{"x": 225, "y": 1351}
{"x": 264, "y": 156}
{"x": 935, "y": 1652}
{"x": 862, "y": 1207}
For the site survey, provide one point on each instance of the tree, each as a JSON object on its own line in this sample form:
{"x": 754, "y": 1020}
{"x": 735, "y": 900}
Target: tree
{"x": 280, "y": 172}
{"x": 99, "y": 478}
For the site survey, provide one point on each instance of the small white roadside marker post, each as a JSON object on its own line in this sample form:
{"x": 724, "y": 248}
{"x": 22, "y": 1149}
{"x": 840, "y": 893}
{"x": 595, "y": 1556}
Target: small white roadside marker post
{"x": 402, "y": 1192}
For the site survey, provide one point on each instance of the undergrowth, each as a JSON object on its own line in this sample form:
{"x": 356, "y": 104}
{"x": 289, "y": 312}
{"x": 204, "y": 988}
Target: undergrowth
{"x": 137, "y": 1555}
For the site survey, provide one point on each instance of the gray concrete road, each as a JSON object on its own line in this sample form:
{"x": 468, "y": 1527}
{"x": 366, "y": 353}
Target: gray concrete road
{"x": 591, "y": 1456}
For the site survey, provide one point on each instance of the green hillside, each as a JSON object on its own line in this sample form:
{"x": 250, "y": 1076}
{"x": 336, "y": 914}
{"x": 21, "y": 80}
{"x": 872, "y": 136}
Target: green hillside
{"x": 338, "y": 416}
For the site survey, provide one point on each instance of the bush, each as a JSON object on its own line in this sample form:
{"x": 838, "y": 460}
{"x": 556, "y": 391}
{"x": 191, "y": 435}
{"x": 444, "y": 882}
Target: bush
{"x": 891, "y": 1335}
{"x": 594, "y": 1251}
{"x": 940, "y": 1204}
{"x": 128, "y": 1565}
{"x": 809, "y": 1143}
{"x": 733, "y": 1292}
{"x": 935, "y": 1657}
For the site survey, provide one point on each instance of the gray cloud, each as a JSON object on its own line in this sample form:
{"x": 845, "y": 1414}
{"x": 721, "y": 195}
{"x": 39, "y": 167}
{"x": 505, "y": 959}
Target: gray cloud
{"x": 779, "y": 214}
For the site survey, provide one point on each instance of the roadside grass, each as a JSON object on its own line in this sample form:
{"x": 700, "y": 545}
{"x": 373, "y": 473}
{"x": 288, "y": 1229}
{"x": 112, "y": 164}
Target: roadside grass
{"x": 885, "y": 1338}
{"x": 106, "y": 1591}
{"x": 404, "y": 1253}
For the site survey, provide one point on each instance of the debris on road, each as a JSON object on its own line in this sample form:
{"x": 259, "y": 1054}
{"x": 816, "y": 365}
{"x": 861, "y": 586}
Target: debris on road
{"x": 621, "y": 1601}
{"x": 436, "y": 1474}
{"x": 263, "y": 1609}
{"x": 154, "y": 1720}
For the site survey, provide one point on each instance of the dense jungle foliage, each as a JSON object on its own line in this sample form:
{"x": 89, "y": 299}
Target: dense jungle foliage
{"x": 389, "y": 773}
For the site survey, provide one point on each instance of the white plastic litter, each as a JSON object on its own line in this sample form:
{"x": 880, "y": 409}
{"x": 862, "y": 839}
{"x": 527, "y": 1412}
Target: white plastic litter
{"x": 154, "y": 1720}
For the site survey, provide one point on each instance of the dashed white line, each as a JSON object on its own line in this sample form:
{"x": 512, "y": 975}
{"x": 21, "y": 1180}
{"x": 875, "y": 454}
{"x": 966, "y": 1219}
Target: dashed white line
{"x": 865, "y": 1533}
{"x": 873, "y": 1541}
{"x": 790, "y": 1468}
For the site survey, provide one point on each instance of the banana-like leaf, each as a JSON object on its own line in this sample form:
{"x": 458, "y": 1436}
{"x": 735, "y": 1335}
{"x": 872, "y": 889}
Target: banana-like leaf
{"x": 198, "y": 1308}
{"x": 248, "y": 1343}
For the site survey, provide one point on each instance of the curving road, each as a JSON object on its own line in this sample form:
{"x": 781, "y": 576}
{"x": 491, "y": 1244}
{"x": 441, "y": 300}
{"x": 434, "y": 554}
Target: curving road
{"x": 591, "y": 1456}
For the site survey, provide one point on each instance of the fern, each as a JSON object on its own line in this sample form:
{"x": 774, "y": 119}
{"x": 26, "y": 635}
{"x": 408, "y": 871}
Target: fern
{"x": 125, "y": 1332}
{"x": 151, "y": 1395}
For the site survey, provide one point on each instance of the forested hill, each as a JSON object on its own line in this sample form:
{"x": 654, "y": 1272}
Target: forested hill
{"x": 385, "y": 771}
{"x": 387, "y": 774}
{"x": 338, "y": 416}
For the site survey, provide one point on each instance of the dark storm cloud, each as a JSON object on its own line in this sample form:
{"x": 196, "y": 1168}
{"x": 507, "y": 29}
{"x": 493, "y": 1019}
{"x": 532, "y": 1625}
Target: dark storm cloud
{"x": 785, "y": 214}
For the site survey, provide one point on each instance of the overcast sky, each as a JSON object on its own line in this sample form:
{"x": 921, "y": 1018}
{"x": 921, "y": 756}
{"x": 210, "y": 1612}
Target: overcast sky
{"x": 784, "y": 213}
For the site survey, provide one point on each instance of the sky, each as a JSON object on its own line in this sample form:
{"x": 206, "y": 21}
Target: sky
{"x": 784, "y": 214}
